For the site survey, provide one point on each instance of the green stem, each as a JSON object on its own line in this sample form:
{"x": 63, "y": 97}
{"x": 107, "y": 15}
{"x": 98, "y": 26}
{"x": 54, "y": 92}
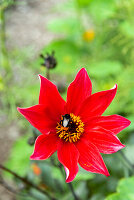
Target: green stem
{"x": 47, "y": 73}
{"x": 69, "y": 184}
{"x": 72, "y": 190}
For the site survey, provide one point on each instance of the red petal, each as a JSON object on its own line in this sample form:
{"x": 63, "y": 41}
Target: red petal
{"x": 40, "y": 117}
{"x": 113, "y": 123}
{"x": 45, "y": 146}
{"x": 90, "y": 158}
{"x": 103, "y": 139}
{"x": 68, "y": 156}
{"x": 97, "y": 103}
{"x": 78, "y": 91}
{"x": 49, "y": 95}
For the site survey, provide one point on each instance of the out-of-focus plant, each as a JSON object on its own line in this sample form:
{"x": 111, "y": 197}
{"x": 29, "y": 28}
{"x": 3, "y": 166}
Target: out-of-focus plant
{"x": 117, "y": 34}
{"x": 4, "y": 4}
{"x": 125, "y": 190}
{"x": 5, "y": 67}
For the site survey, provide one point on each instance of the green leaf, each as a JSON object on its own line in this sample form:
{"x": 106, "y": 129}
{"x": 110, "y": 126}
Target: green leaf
{"x": 125, "y": 190}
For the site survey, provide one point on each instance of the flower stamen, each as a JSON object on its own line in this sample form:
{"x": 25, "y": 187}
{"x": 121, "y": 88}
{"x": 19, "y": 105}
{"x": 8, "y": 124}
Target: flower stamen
{"x": 70, "y": 128}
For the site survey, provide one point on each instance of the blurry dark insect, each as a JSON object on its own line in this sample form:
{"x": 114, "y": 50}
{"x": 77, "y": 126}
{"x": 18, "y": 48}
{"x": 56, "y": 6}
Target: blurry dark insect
{"x": 49, "y": 60}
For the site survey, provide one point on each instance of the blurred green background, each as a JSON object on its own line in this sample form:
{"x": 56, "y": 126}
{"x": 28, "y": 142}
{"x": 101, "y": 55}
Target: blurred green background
{"x": 95, "y": 34}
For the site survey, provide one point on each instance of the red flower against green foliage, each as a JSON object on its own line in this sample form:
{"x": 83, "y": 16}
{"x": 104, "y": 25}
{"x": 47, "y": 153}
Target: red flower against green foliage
{"x": 75, "y": 128}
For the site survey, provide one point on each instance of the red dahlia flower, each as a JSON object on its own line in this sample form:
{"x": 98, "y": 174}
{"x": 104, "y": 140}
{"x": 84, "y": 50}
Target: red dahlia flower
{"x": 75, "y": 128}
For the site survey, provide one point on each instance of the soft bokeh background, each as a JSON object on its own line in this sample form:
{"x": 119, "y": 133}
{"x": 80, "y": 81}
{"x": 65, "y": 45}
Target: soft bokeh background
{"x": 97, "y": 35}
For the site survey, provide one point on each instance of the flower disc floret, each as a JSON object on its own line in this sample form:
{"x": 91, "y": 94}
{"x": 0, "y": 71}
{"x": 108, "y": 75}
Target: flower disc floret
{"x": 73, "y": 130}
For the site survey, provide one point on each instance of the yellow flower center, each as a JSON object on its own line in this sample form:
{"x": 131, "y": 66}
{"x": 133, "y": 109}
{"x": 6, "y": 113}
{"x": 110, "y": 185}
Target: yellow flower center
{"x": 70, "y": 128}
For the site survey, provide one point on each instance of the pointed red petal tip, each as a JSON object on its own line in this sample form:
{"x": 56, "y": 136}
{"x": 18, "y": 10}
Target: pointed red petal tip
{"x": 78, "y": 91}
{"x": 20, "y": 109}
{"x": 33, "y": 157}
{"x": 114, "y": 88}
{"x": 68, "y": 156}
{"x": 128, "y": 122}
{"x": 40, "y": 76}
{"x": 114, "y": 123}
{"x": 83, "y": 69}
{"x": 68, "y": 180}
{"x": 45, "y": 146}
{"x": 106, "y": 173}
{"x": 97, "y": 103}
{"x": 68, "y": 177}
